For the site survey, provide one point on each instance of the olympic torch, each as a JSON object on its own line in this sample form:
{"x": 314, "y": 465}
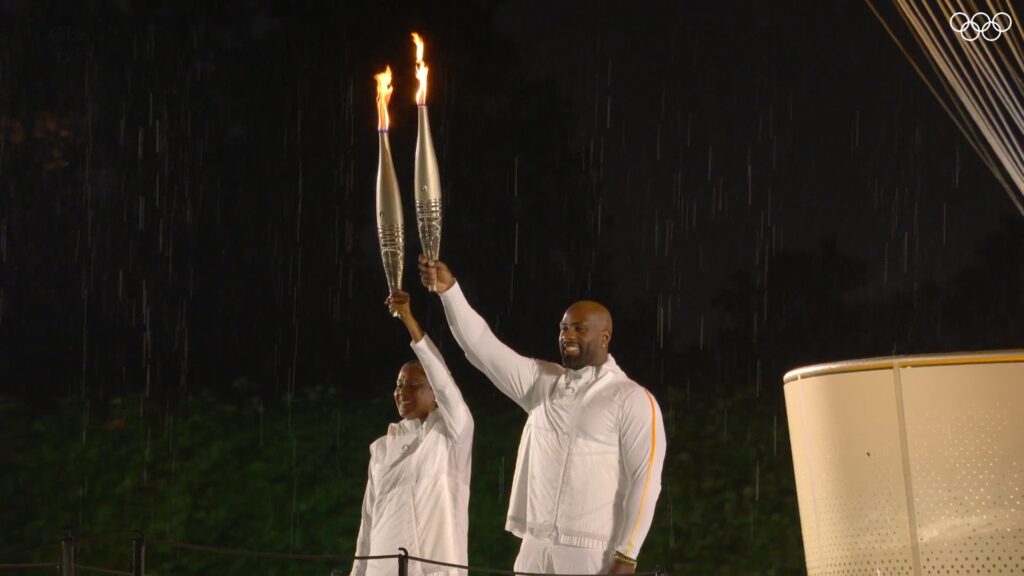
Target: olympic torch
{"x": 427, "y": 177}
{"x": 390, "y": 230}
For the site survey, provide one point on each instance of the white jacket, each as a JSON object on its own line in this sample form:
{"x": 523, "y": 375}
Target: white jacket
{"x": 417, "y": 491}
{"x": 589, "y": 467}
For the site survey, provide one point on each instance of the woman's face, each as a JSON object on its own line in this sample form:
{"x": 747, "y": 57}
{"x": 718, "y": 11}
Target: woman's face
{"x": 413, "y": 395}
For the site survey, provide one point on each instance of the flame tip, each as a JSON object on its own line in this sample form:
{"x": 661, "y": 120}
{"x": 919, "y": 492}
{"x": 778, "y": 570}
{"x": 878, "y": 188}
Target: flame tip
{"x": 421, "y": 70}
{"x": 384, "y": 90}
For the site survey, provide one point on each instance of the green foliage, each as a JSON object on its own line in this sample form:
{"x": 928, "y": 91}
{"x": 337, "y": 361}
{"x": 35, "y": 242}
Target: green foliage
{"x": 728, "y": 501}
{"x": 289, "y": 476}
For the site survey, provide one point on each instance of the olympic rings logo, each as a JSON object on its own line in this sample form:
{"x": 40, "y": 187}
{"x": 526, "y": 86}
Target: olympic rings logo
{"x": 991, "y": 30}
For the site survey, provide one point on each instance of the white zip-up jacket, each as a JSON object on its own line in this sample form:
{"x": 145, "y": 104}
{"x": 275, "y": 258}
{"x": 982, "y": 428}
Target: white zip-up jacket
{"x": 588, "y": 472}
{"x": 417, "y": 491}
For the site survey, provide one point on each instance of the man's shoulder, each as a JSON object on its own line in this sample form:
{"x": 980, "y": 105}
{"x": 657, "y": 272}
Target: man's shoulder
{"x": 630, "y": 391}
{"x": 547, "y": 369}
{"x": 623, "y": 384}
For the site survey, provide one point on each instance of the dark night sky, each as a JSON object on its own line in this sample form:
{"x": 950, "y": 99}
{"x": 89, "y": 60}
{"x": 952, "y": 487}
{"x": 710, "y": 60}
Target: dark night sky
{"x": 186, "y": 193}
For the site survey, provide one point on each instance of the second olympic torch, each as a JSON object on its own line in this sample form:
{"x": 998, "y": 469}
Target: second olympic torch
{"x": 390, "y": 230}
{"x": 427, "y": 177}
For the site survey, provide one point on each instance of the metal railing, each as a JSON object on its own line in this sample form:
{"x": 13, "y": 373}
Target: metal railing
{"x": 67, "y": 565}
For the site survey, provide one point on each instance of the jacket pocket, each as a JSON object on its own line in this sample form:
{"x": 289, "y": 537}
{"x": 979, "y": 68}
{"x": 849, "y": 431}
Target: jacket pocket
{"x": 588, "y": 506}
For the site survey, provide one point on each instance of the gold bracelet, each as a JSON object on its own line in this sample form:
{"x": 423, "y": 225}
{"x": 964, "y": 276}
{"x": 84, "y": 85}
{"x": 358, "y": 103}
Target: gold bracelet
{"x": 622, "y": 558}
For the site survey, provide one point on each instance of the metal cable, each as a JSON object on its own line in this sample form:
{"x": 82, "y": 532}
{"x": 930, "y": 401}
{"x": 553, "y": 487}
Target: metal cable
{"x": 260, "y": 554}
{"x": 102, "y": 570}
{"x": 36, "y": 565}
{"x": 292, "y": 556}
{"x": 286, "y": 555}
{"x": 30, "y": 548}
{"x": 102, "y": 538}
{"x": 656, "y": 572}
{"x": 975, "y": 85}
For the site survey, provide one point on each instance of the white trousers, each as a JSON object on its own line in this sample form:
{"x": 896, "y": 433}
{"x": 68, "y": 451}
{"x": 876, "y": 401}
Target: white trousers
{"x": 541, "y": 556}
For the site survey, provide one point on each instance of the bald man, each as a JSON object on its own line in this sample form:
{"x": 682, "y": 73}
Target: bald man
{"x": 588, "y": 471}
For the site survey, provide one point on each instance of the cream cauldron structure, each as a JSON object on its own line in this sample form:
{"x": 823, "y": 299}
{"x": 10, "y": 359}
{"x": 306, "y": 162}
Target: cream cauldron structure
{"x": 910, "y": 465}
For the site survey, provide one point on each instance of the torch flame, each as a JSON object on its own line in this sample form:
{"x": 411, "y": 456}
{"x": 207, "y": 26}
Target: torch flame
{"x": 421, "y": 71}
{"x": 384, "y": 90}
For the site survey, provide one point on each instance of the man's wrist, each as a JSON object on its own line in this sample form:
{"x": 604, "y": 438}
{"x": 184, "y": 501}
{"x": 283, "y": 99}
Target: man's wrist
{"x": 447, "y": 292}
{"x": 623, "y": 559}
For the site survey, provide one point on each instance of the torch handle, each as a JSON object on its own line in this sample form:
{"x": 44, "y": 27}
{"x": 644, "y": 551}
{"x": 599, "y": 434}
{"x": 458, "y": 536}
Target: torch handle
{"x": 428, "y": 223}
{"x": 392, "y": 254}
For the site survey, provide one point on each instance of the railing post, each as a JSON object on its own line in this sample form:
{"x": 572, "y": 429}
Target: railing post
{"x": 67, "y": 554}
{"x": 139, "y": 554}
{"x": 403, "y": 563}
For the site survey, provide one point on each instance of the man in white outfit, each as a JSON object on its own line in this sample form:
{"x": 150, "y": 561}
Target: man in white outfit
{"x": 588, "y": 473}
{"x": 417, "y": 491}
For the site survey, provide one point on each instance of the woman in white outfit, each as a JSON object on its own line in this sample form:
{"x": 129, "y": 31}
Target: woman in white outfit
{"x": 417, "y": 491}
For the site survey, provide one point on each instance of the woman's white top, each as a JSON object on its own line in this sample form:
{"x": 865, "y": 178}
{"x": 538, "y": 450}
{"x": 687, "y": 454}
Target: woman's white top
{"x": 417, "y": 492}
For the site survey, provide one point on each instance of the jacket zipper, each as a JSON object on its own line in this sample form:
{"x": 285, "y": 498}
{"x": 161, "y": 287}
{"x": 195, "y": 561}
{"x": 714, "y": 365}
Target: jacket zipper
{"x": 568, "y": 452}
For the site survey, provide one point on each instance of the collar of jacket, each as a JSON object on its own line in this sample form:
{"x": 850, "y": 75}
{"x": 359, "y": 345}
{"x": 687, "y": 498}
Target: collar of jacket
{"x": 413, "y": 426}
{"x": 592, "y": 372}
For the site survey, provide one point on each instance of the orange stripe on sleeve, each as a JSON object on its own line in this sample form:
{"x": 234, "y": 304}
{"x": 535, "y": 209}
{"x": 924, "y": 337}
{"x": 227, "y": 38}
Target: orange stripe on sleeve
{"x": 647, "y": 477}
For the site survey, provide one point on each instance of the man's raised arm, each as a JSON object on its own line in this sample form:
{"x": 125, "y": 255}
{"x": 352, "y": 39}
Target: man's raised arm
{"x": 511, "y": 373}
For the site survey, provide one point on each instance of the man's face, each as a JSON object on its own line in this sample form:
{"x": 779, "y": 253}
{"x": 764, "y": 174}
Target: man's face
{"x": 413, "y": 395}
{"x": 582, "y": 338}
